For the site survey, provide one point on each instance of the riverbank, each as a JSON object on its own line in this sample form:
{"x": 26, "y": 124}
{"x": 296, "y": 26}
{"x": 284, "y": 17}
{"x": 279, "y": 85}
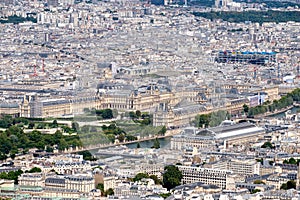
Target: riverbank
{"x": 169, "y": 133}
{"x": 270, "y": 114}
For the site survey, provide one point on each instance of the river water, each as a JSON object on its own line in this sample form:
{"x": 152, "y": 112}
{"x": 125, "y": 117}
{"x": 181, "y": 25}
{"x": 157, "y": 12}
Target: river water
{"x": 164, "y": 143}
{"x": 282, "y": 115}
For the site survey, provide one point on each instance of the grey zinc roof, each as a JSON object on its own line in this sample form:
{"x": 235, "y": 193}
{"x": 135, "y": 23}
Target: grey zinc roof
{"x": 55, "y": 180}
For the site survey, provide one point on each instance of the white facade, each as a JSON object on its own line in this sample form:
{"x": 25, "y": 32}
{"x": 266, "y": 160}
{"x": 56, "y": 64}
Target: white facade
{"x": 220, "y": 178}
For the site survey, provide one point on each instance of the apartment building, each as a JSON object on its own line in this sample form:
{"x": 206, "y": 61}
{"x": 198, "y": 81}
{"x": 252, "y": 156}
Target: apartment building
{"x": 242, "y": 167}
{"x": 31, "y": 179}
{"x": 108, "y": 180}
{"x": 63, "y": 167}
{"x": 151, "y": 169}
{"x": 80, "y": 183}
{"x": 220, "y": 178}
{"x": 8, "y": 108}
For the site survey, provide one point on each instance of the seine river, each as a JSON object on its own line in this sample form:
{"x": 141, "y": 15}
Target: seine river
{"x": 282, "y": 115}
{"x": 164, "y": 142}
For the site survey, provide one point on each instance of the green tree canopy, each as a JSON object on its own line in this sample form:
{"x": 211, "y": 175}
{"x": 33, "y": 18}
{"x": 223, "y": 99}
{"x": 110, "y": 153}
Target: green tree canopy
{"x": 34, "y": 170}
{"x": 255, "y": 191}
{"x": 289, "y": 185}
{"x": 87, "y": 155}
{"x": 292, "y": 161}
{"x": 12, "y": 175}
{"x": 268, "y": 145}
{"x": 172, "y": 177}
{"x": 54, "y": 124}
{"x": 246, "y": 108}
{"x": 258, "y": 182}
{"x": 217, "y": 117}
{"x": 203, "y": 120}
{"x": 138, "y": 113}
{"x": 162, "y": 131}
{"x": 157, "y": 181}
{"x": 100, "y": 187}
{"x": 156, "y": 144}
{"x": 105, "y": 114}
{"x": 110, "y": 191}
{"x": 140, "y": 176}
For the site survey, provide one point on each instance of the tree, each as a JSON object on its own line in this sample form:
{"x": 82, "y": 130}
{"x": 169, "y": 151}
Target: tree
{"x": 121, "y": 137}
{"x": 12, "y": 156}
{"x": 258, "y": 182}
{"x": 62, "y": 144}
{"x": 75, "y": 126}
{"x": 268, "y": 145}
{"x": 172, "y": 177}
{"x": 115, "y": 113}
{"x": 100, "y": 187}
{"x": 146, "y": 121}
{"x": 217, "y": 117}
{"x": 156, "y": 180}
{"x": 86, "y": 110}
{"x": 138, "y": 145}
{"x": 246, "y": 108}
{"x": 34, "y": 170}
{"x": 130, "y": 138}
{"x": 31, "y": 125}
{"x": 49, "y": 149}
{"x": 165, "y": 195}
{"x": 132, "y": 115}
{"x": 291, "y": 184}
{"x": 255, "y": 191}
{"x": 87, "y": 155}
{"x": 138, "y": 113}
{"x": 54, "y": 124}
{"x": 156, "y": 144}
{"x": 41, "y": 126}
{"x": 12, "y": 175}
{"x": 111, "y": 138}
{"x": 292, "y": 161}
{"x": 140, "y": 176}
{"x": 203, "y": 120}
{"x": 288, "y": 185}
{"x": 13, "y": 141}
{"x": 105, "y": 114}
{"x": 283, "y": 186}
{"x": 162, "y": 131}
{"x": 110, "y": 191}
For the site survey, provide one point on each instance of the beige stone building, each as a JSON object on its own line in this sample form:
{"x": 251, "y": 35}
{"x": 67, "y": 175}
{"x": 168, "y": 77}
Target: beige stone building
{"x": 108, "y": 180}
{"x": 221, "y": 178}
{"x": 9, "y": 108}
{"x": 182, "y": 114}
{"x": 32, "y": 179}
{"x": 71, "y": 186}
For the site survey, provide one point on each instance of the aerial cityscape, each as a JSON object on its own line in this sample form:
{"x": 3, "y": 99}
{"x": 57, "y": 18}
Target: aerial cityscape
{"x": 149, "y": 99}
